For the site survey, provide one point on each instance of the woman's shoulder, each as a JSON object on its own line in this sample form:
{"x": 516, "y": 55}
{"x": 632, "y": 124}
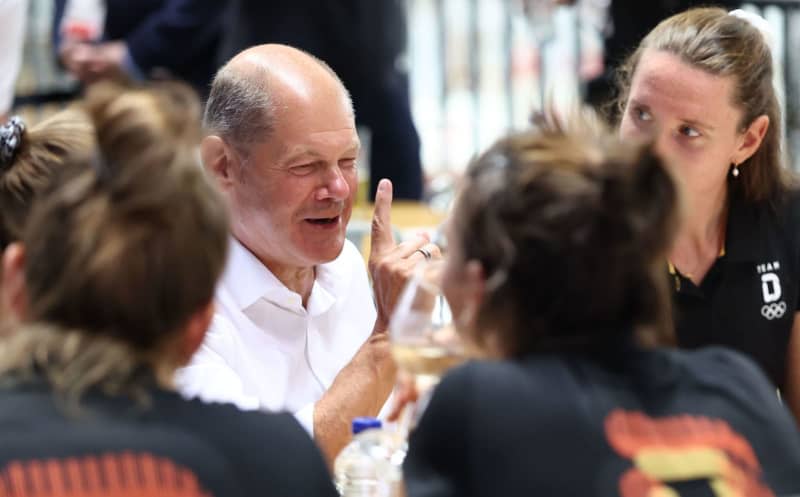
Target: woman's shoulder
{"x": 245, "y": 425}
{"x": 785, "y": 217}
{"x": 727, "y": 371}
{"x": 518, "y": 380}
{"x": 503, "y": 373}
{"x": 786, "y": 207}
{"x": 790, "y": 200}
{"x": 269, "y": 449}
{"x": 545, "y": 374}
{"x": 718, "y": 360}
{"x": 779, "y": 215}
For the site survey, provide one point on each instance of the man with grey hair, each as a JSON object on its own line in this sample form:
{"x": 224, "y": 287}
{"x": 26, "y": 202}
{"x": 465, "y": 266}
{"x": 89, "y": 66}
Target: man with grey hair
{"x": 296, "y": 327}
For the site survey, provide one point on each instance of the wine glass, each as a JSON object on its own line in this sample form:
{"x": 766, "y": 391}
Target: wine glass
{"x": 424, "y": 341}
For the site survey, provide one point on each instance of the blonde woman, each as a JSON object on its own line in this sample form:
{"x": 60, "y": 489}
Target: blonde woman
{"x": 700, "y": 85}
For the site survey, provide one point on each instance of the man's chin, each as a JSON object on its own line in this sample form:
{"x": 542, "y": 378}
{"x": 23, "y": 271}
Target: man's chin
{"x": 324, "y": 254}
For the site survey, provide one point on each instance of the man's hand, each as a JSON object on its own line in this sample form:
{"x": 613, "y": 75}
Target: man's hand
{"x": 92, "y": 62}
{"x": 405, "y": 394}
{"x": 362, "y": 387}
{"x": 391, "y": 264}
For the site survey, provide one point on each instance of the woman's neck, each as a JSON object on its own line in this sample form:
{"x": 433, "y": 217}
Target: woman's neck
{"x": 706, "y": 217}
{"x": 701, "y": 238}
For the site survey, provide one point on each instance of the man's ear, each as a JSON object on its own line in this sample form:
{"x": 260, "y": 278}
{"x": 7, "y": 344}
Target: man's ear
{"x": 13, "y": 293}
{"x": 219, "y": 160}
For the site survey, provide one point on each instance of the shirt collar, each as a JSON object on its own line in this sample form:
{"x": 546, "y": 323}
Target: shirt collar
{"x": 248, "y": 280}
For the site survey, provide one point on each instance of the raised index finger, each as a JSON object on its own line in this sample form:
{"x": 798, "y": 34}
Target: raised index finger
{"x": 382, "y": 236}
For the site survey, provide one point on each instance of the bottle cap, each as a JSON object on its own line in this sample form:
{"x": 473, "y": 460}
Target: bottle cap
{"x": 361, "y": 424}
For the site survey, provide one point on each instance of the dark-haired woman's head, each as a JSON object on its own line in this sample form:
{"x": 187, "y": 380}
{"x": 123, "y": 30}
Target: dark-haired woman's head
{"x": 557, "y": 242}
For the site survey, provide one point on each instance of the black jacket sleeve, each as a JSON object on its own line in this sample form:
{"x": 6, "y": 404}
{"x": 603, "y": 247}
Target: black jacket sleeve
{"x": 169, "y": 35}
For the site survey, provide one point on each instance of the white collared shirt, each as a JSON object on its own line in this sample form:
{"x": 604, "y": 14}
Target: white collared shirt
{"x": 264, "y": 350}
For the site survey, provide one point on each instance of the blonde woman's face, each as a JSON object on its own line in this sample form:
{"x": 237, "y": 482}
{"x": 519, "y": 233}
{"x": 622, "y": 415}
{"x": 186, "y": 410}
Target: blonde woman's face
{"x": 690, "y": 116}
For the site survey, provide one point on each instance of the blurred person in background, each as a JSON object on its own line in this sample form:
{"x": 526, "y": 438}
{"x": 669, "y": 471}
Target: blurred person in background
{"x": 146, "y": 39}
{"x": 363, "y": 41}
{"x": 13, "y": 14}
{"x": 555, "y": 273}
{"x": 114, "y": 282}
{"x": 296, "y": 326}
{"x": 701, "y": 86}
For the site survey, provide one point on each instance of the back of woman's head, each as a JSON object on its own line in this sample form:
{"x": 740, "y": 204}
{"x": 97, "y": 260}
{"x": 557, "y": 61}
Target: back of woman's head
{"x": 142, "y": 119}
{"x": 131, "y": 247}
{"x": 726, "y": 45}
{"x": 29, "y": 157}
{"x": 571, "y": 228}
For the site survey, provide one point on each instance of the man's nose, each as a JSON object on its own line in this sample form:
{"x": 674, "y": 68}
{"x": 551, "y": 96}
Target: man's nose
{"x": 334, "y": 185}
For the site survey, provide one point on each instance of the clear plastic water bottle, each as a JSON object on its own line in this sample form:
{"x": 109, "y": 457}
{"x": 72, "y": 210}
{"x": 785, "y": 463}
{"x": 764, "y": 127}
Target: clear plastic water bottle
{"x": 371, "y": 464}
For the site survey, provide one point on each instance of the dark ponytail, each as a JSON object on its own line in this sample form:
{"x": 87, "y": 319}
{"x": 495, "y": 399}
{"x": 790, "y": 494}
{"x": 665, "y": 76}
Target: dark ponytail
{"x": 571, "y": 227}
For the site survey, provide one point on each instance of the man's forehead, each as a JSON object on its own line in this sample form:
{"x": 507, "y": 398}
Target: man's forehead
{"x": 320, "y": 143}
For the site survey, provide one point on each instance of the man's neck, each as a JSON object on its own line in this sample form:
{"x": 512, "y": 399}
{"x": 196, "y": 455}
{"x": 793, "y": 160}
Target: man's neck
{"x": 297, "y": 279}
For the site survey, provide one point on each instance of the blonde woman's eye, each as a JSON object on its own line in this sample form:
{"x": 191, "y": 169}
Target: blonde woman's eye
{"x": 643, "y": 115}
{"x": 689, "y": 132}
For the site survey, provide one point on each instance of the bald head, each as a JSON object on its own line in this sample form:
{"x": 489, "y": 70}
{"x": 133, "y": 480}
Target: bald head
{"x": 261, "y": 85}
{"x": 284, "y": 67}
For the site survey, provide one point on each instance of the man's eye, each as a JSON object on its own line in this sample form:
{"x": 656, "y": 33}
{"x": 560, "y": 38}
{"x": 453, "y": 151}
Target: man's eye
{"x": 302, "y": 169}
{"x": 689, "y": 132}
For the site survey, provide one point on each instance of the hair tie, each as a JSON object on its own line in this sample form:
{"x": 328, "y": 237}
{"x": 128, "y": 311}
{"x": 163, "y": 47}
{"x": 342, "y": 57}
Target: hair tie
{"x": 761, "y": 24}
{"x": 10, "y": 140}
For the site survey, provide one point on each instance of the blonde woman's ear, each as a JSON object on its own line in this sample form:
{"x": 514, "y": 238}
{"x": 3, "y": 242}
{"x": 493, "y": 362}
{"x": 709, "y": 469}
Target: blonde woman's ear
{"x": 13, "y": 292}
{"x": 751, "y": 139}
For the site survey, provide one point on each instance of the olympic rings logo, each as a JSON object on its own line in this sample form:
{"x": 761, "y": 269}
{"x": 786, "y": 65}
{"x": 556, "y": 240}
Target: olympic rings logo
{"x": 774, "y": 311}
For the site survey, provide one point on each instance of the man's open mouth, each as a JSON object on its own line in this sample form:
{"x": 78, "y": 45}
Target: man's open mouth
{"x": 323, "y": 221}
